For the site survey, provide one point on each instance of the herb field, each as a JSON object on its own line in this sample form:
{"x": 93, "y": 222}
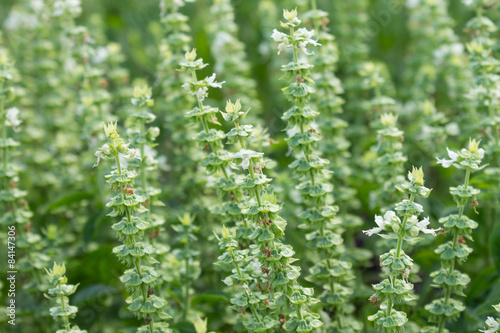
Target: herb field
{"x": 327, "y": 166}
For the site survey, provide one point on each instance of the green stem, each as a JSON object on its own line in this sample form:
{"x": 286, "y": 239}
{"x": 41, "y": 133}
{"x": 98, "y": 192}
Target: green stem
{"x": 254, "y": 311}
{"x": 403, "y": 231}
{"x": 294, "y": 46}
{"x": 137, "y": 263}
{"x": 4, "y": 134}
{"x": 401, "y": 236}
{"x": 442, "y": 319}
{"x": 187, "y": 282}
{"x": 66, "y": 323}
{"x": 142, "y": 170}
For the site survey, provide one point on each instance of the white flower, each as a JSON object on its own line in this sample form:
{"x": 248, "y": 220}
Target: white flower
{"x": 214, "y": 84}
{"x": 481, "y": 153}
{"x": 282, "y": 39}
{"x": 201, "y": 93}
{"x": 457, "y": 49}
{"x": 228, "y": 281}
{"x": 304, "y": 37}
{"x": 18, "y": 19}
{"x": 245, "y": 155}
{"x": 452, "y": 129}
{"x": 180, "y": 3}
{"x": 97, "y": 154}
{"x": 468, "y": 2}
{"x": 71, "y": 6}
{"x": 422, "y": 226}
{"x": 278, "y": 36}
{"x": 492, "y": 325}
{"x": 37, "y": 5}
{"x": 256, "y": 266}
{"x": 447, "y": 163}
{"x": 382, "y": 222}
{"x": 412, "y": 3}
{"x": 12, "y": 119}
{"x": 101, "y": 54}
{"x": 406, "y": 272}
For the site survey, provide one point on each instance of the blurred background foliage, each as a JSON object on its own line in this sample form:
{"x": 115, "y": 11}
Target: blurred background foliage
{"x": 135, "y": 26}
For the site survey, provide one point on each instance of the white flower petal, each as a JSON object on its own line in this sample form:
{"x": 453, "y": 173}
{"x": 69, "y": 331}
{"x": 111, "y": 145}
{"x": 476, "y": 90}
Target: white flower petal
{"x": 452, "y": 154}
{"x": 278, "y": 36}
{"x": 370, "y": 232}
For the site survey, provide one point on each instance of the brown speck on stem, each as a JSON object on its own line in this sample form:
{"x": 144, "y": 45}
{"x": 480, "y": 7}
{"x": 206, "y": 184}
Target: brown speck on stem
{"x": 373, "y": 299}
{"x": 474, "y": 204}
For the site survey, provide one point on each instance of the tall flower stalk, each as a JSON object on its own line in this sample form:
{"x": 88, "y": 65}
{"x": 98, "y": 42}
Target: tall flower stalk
{"x": 485, "y": 100}
{"x": 141, "y": 278}
{"x": 330, "y": 272}
{"x": 62, "y": 311}
{"x": 16, "y": 213}
{"x": 230, "y": 57}
{"x": 437, "y": 77}
{"x": 183, "y": 155}
{"x": 455, "y": 251}
{"x": 400, "y": 225}
{"x": 387, "y": 159}
{"x": 270, "y": 293}
{"x": 144, "y": 138}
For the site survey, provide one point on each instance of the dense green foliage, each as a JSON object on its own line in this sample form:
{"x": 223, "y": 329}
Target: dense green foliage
{"x": 250, "y": 166}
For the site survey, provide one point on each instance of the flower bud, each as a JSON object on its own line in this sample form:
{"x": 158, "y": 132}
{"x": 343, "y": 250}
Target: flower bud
{"x": 233, "y": 108}
{"x": 290, "y": 15}
{"x": 396, "y": 227}
{"x": 123, "y": 149}
{"x": 417, "y": 176}
{"x": 153, "y": 133}
{"x": 191, "y": 55}
{"x": 388, "y": 119}
{"x": 473, "y": 145}
{"x": 225, "y": 232}
{"x": 414, "y": 231}
{"x": 106, "y": 149}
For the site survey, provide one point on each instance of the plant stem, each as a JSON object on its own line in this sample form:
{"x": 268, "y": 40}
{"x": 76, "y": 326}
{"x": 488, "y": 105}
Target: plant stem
{"x": 294, "y": 43}
{"x": 137, "y": 263}
{"x": 442, "y": 319}
{"x": 401, "y": 237}
{"x": 4, "y": 134}
{"x": 66, "y": 323}
{"x": 187, "y": 282}
{"x": 254, "y": 312}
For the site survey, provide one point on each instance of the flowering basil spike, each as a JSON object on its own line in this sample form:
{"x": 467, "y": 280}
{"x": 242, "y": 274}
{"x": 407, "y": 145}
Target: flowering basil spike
{"x": 59, "y": 292}
{"x": 402, "y": 224}
{"x": 15, "y": 212}
{"x": 448, "y": 278}
{"x": 332, "y": 272}
{"x": 263, "y": 279}
{"x": 141, "y": 279}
